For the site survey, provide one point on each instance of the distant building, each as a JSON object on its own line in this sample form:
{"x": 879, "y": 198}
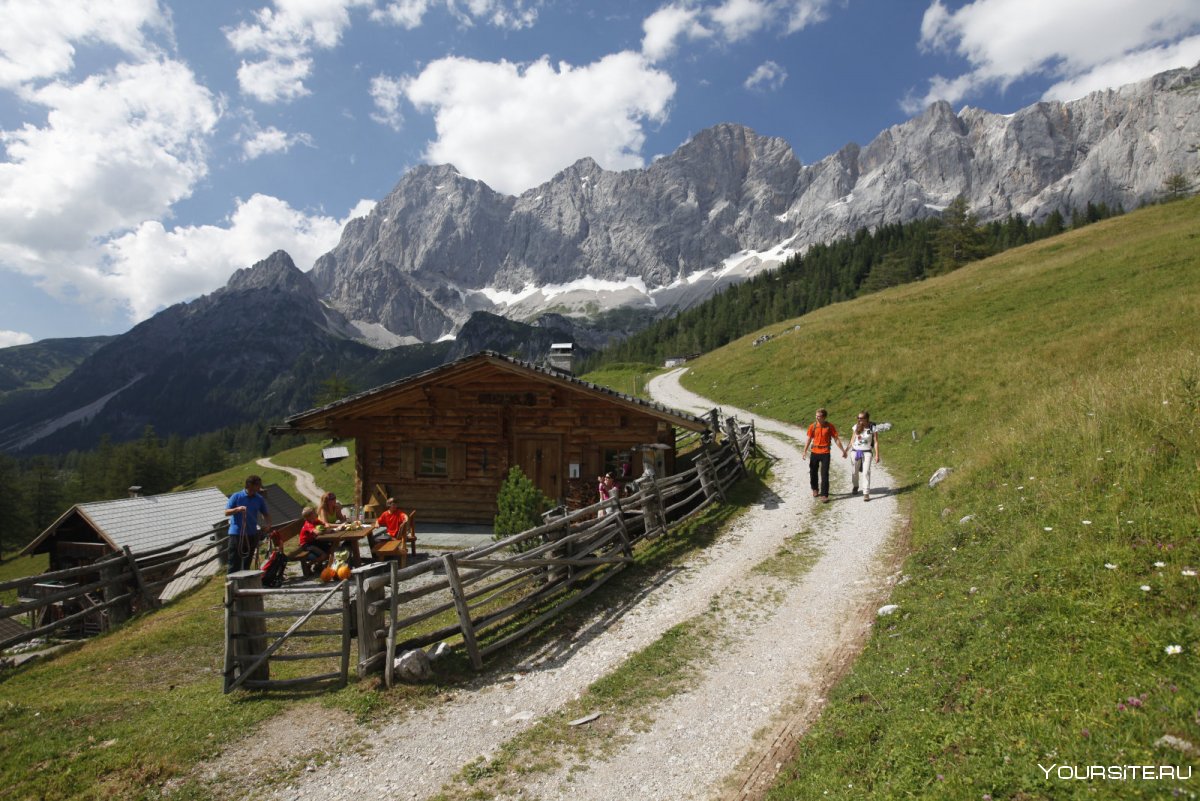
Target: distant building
{"x": 562, "y": 357}
{"x": 335, "y": 453}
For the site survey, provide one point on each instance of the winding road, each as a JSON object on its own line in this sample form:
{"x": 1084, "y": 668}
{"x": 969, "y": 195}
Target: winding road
{"x": 306, "y": 485}
{"x": 725, "y": 736}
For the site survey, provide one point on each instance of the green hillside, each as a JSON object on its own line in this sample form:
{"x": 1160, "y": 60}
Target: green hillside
{"x": 1061, "y": 382}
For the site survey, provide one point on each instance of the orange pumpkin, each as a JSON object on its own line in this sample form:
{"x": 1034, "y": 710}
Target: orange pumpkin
{"x": 343, "y": 572}
{"x": 328, "y": 574}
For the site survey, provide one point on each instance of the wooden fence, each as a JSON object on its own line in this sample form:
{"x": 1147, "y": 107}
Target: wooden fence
{"x": 539, "y": 573}
{"x": 470, "y": 594}
{"x": 85, "y": 600}
{"x": 247, "y": 655}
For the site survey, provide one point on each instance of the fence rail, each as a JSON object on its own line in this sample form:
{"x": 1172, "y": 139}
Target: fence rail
{"x": 473, "y": 594}
{"x": 95, "y": 597}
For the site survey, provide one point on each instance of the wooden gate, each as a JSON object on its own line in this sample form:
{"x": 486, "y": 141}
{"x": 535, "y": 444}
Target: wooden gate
{"x": 247, "y": 654}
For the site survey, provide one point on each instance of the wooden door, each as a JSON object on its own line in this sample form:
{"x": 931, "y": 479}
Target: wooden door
{"x": 540, "y": 458}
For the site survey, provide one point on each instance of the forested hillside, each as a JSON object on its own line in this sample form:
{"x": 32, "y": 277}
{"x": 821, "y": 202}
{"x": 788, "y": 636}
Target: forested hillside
{"x": 866, "y": 262}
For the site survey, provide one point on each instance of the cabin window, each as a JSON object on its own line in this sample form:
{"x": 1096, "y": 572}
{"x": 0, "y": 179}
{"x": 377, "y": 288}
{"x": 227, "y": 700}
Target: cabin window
{"x": 435, "y": 460}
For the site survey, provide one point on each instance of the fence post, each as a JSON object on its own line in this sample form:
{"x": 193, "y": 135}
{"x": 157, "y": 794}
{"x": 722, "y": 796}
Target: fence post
{"x": 708, "y": 477}
{"x": 368, "y": 590}
{"x": 244, "y": 636}
{"x": 652, "y": 507}
{"x": 622, "y": 528}
{"x": 464, "y": 612}
{"x": 149, "y": 600}
{"x": 731, "y": 431}
{"x": 346, "y": 612}
{"x": 117, "y": 613}
{"x": 389, "y": 667}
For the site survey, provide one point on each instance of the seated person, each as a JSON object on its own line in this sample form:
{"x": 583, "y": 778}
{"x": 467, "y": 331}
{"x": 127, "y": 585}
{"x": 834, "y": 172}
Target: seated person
{"x": 316, "y": 551}
{"x": 330, "y": 511}
{"x": 390, "y": 523}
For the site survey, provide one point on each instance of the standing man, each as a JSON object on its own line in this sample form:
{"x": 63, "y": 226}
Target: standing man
{"x": 820, "y": 434}
{"x": 243, "y": 510}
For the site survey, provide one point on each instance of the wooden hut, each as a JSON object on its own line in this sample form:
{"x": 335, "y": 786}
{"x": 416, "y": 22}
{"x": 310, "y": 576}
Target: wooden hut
{"x": 443, "y": 441}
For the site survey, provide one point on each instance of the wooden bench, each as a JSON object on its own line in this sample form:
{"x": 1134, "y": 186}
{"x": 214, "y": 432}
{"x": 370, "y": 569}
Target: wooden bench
{"x": 394, "y": 548}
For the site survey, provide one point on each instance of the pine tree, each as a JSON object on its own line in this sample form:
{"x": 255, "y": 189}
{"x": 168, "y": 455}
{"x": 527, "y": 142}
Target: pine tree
{"x": 959, "y": 240}
{"x": 519, "y": 505}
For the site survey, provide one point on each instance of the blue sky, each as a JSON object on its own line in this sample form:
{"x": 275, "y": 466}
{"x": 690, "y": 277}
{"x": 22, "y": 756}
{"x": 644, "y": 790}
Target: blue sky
{"x": 152, "y": 147}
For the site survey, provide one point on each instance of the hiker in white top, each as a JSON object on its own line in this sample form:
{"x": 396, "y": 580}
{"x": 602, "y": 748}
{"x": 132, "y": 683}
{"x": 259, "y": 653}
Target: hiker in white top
{"x": 864, "y": 450}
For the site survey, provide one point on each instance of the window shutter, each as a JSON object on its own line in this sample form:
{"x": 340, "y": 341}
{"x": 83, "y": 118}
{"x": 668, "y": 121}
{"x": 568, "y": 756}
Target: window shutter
{"x": 408, "y": 460}
{"x": 457, "y": 458}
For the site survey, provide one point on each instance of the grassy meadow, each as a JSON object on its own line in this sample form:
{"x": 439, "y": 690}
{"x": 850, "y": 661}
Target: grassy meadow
{"x": 337, "y": 477}
{"x": 1049, "y": 608}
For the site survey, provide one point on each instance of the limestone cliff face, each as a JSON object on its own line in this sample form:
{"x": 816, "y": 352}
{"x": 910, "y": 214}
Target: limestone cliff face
{"x": 419, "y": 262}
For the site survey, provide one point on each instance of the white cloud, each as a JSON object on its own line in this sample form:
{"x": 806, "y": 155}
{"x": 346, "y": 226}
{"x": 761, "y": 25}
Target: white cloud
{"x": 515, "y": 126}
{"x": 1130, "y": 69}
{"x": 768, "y": 77}
{"x": 1006, "y": 40}
{"x": 151, "y": 267}
{"x": 284, "y": 35}
{"x": 38, "y": 37}
{"x": 265, "y": 141}
{"x": 739, "y": 19}
{"x": 117, "y": 148}
{"x": 387, "y": 93}
{"x": 405, "y": 13}
{"x": 10, "y": 338}
{"x": 665, "y": 26}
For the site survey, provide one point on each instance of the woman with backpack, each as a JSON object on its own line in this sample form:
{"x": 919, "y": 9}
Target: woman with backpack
{"x": 864, "y": 446}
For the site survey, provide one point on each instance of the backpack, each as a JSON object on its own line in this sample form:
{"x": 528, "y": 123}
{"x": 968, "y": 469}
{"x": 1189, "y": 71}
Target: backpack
{"x": 272, "y": 569}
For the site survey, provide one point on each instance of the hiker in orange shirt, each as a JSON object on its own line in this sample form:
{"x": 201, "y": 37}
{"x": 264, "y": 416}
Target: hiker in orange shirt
{"x": 820, "y": 434}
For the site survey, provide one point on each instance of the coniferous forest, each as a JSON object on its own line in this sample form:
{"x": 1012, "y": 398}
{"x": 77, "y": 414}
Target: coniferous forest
{"x": 865, "y": 262}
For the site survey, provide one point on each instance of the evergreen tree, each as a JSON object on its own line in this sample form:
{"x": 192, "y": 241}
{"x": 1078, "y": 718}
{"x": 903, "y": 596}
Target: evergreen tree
{"x": 519, "y": 505}
{"x": 959, "y": 239}
{"x": 1177, "y": 185}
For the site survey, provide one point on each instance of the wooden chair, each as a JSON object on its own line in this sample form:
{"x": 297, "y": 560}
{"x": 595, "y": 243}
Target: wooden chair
{"x": 395, "y": 548}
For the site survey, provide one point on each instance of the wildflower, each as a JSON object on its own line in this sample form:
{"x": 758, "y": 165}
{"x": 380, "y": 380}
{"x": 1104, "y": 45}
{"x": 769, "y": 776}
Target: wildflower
{"x": 1047, "y": 528}
{"x": 1160, "y": 564}
{"x": 1085, "y": 733}
{"x": 1187, "y": 572}
{"x": 1120, "y": 707}
{"x": 1133, "y": 701}
{"x": 1110, "y": 566}
{"x": 1171, "y": 651}
{"x": 1086, "y": 522}
{"x": 1145, "y": 588}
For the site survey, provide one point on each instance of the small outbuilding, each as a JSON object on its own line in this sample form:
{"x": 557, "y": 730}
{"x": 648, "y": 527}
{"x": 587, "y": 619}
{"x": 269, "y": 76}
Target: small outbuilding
{"x": 442, "y": 441}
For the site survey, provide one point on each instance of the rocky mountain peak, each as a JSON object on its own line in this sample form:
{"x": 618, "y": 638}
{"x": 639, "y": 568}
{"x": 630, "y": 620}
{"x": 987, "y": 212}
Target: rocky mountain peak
{"x": 276, "y": 272}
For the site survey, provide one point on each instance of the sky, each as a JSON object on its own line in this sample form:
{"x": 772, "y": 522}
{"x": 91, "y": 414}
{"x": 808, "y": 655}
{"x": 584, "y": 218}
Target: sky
{"x": 150, "y": 148}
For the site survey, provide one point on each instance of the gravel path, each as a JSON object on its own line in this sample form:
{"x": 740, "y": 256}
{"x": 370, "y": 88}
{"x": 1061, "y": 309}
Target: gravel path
{"x": 306, "y": 484}
{"x": 721, "y": 738}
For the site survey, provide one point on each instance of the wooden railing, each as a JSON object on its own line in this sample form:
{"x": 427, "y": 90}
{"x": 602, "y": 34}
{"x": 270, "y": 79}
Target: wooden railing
{"x": 530, "y": 577}
{"x": 115, "y": 588}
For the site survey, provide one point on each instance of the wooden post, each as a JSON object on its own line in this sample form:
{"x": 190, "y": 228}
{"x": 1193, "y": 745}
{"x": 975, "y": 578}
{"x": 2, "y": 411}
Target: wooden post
{"x": 464, "y": 613}
{"x": 368, "y": 592}
{"x": 731, "y": 431}
{"x": 117, "y": 613}
{"x": 253, "y": 630}
{"x": 389, "y": 663}
{"x": 708, "y": 477}
{"x": 147, "y": 598}
{"x": 345, "y": 632}
{"x": 623, "y": 528}
{"x": 652, "y": 507}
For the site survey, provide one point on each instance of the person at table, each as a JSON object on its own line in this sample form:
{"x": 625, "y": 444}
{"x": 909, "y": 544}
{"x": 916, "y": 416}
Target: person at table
{"x": 316, "y": 552}
{"x": 243, "y": 510}
{"x": 330, "y": 511}
{"x": 391, "y": 523}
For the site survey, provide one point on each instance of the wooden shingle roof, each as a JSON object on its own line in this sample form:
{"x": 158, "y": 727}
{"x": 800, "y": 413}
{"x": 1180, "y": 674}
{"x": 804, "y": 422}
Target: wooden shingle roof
{"x": 319, "y": 418}
{"x": 146, "y": 522}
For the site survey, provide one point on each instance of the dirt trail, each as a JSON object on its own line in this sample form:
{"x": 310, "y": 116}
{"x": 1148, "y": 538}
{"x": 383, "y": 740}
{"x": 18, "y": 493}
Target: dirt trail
{"x": 721, "y": 738}
{"x": 306, "y": 484}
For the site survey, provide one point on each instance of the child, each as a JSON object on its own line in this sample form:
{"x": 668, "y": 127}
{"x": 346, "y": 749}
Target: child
{"x": 317, "y": 551}
{"x": 391, "y": 523}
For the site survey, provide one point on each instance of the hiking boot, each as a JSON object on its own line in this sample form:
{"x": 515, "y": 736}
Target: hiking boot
{"x": 866, "y": 497}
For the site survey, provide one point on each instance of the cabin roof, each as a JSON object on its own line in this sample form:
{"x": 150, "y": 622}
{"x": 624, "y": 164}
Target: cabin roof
{"x": 146, "y": 522}
{"x": 320, "y": 418}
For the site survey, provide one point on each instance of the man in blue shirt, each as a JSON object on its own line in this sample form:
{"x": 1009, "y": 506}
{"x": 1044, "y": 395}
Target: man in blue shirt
{"x": 243, "y": 510}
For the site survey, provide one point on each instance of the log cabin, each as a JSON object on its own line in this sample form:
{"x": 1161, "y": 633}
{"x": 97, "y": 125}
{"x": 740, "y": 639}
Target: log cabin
{"x": 442, "y": 441}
